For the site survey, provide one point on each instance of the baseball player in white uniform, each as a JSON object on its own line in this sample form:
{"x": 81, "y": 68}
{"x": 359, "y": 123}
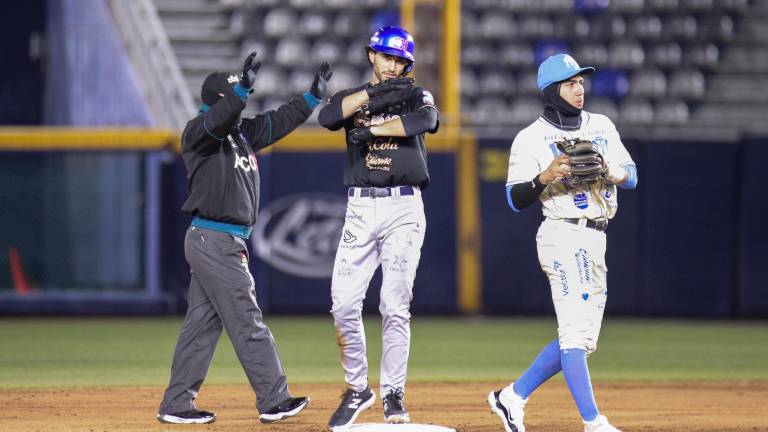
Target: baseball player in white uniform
{"x": 571, "y": 239}
{"x": 385, "y": 121}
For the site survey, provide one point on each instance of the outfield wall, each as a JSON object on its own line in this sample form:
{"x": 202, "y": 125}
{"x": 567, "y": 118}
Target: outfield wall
{"x": 689, "y": 241}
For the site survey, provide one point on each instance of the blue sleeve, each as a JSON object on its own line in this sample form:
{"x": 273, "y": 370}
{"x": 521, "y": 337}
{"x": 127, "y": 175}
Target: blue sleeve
{"x": 631, "y": 181}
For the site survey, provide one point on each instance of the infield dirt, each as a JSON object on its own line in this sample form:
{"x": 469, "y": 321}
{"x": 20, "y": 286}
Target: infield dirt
{"x": 667, "y": 406}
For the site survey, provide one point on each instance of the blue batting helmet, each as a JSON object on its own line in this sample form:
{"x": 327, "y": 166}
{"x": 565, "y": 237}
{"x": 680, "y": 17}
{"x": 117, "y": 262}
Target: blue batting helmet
{"x": 394, "y": 41}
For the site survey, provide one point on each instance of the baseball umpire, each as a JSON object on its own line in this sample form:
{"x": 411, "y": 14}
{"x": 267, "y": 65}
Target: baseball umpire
{"x": 385, "y": 121}
{"x": 572, "y": 161}
{"x": 223, "y": 183}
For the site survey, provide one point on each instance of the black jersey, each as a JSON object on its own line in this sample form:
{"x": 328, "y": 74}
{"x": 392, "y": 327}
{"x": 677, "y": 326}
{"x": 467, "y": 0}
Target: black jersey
{"x": 218, "y": 151}
{"x": 384, "y": 161}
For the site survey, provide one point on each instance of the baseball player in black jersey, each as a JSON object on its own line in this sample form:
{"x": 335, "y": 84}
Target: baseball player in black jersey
{"x": 223, "y": 182}
{"x": 385, "y": 121}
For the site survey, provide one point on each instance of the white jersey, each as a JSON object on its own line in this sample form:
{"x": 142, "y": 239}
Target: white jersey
{"x": 534, "y": 149}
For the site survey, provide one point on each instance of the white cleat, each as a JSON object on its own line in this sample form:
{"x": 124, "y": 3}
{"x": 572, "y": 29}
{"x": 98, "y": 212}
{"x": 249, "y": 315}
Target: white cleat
{"x": 510, "y": 407}
{"x": 599, "y": 424}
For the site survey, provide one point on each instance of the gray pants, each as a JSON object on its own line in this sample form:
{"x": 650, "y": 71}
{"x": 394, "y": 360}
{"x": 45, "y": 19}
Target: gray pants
{"x": 222, "y": 292}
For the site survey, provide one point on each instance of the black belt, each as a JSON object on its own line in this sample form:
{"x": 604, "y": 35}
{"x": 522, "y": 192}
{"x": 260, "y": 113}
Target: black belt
{"x": 379, "y": 192}
{"x": 601, "y": 225}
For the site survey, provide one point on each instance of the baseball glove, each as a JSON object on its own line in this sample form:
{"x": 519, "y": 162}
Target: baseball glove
{"x": 587, "y": 164}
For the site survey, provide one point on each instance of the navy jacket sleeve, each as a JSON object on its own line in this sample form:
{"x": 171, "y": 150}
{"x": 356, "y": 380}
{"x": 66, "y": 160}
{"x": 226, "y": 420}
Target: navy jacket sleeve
{"x": 266, "y": 128}
{"x": 205, "y": 132}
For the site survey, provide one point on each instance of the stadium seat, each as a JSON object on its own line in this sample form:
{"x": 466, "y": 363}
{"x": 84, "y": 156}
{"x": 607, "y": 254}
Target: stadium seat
{"x": 271, "y": 81}
{"x": 497, "y": 82}
{"x": 546, "y": 48}
{"x": 591, "y": 55}
{"x": 470, "y": 85}
{"x": 646, "y": 27}
{"x": 648, "y": 82}
{"x": 327, "y": 50}
{"x": 536, "y": 26}
{"x": 350, "y": 24}
{"x": 571, "y": 27}
{"x": 525, "y": 110}
{"x": 527, "y": 83}
{"x": 666, "y": 55}
{"x": 313, "y": 23}
{"x": 355, "y": 54}
{"x": 680, "y": 28}
{"x": 603, "y": 106}
{"x": 515, "y": 55}
{"x": 476, "y": 54}
{"x": 610, "y": 83}
{"x": 672, "y": 112}
{"x": 590, "y": 7}
{"x": 344, "y": 77}
{"x": 280, "y": 22}
{"x": 702, "y": 56}
{"x": 717, "y": 28}
{"x": 698, "y": 6}
{"x": 663, "y": 5}
{"x": 626, "y": 7}
{"x": 626, "y": 54}
{"x": 636, "y": 112}
{"x": 688, "y": 84}
{"x": 470, "y": 26}
{"x": 607, "y": 27}
{"x": 292, "y": 51}
{"x": 497, "y": 25}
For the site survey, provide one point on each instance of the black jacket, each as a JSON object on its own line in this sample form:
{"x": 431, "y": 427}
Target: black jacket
{"x": 218, "y": 151}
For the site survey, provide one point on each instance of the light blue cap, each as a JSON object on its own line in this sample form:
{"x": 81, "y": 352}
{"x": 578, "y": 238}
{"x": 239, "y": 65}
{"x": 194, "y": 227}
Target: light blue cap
{"x": 559, "y": 67}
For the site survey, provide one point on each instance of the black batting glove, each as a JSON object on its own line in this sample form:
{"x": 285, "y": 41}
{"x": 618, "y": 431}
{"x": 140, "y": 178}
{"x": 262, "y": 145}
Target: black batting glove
{"x": 320, "y": 85}
{"x": 360, "y": 136}
{"x": 389, "y": 85}
{"x": 250, "y": 69}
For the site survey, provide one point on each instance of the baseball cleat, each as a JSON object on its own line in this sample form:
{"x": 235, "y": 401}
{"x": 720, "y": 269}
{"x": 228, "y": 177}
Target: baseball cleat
{"x": 352, "y": 404}
{"x": 394, "y": 409}
{"x": 288, "y": 408}
{"x": 187, "y": 417}
{"x": 510, "y": 407}
{"x": 599, "y": 424}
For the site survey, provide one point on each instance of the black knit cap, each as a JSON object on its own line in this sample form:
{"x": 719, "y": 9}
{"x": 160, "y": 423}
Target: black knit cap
{"x": 215, "y": 83}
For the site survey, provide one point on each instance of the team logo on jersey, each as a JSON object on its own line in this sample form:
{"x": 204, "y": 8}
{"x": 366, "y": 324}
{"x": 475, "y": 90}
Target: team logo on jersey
{"x": 608, "y": 193}
{"x": 581, "y": 201}
{"x": 427, "y": 98}
{"x": 298, "y": 234}
{"x": 601, "y": 143}
{"x": 348, "y": 237}
{"x": 246, "y": 163}
{"x": 563, "y": 277}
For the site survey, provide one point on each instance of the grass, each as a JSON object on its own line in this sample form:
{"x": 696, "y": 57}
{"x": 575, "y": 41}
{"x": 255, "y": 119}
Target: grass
{"x": 129, "y": 352}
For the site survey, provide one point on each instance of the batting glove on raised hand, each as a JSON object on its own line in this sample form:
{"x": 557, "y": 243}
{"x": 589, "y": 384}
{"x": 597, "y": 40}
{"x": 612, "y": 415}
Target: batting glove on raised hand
{"x": 389, "y": 85}
{"x": 320, "y": 85}
{"x": 250, "y": 69}
{"x": 360, "y": 136}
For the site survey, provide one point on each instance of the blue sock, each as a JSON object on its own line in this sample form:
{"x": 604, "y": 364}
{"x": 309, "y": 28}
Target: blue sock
{"x": 574, "y": 362}
{"x": 546, "y": 365}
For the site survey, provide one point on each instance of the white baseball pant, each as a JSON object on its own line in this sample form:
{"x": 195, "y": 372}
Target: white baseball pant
{"x": 386, "y": 231}
{"x": 573, "y": 258}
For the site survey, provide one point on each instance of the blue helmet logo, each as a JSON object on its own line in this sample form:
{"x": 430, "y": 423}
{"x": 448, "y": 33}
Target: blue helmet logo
{"x": 394, "y": 41}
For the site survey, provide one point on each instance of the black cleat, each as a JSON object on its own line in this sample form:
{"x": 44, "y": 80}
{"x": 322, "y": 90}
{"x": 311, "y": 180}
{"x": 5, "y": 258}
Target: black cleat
{"x": 352, "y": 404}
{"x": 188, "y": 417}
{"x": 394, "y": 410}
{"x": 288, "y": 408}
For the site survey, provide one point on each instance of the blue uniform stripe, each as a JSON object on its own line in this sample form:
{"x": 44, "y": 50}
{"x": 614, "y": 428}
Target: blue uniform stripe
{"x": 509, "y": 199}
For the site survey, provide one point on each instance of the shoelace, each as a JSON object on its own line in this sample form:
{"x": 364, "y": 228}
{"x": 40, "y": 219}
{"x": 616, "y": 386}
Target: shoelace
{"x": 395, "y": 398}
